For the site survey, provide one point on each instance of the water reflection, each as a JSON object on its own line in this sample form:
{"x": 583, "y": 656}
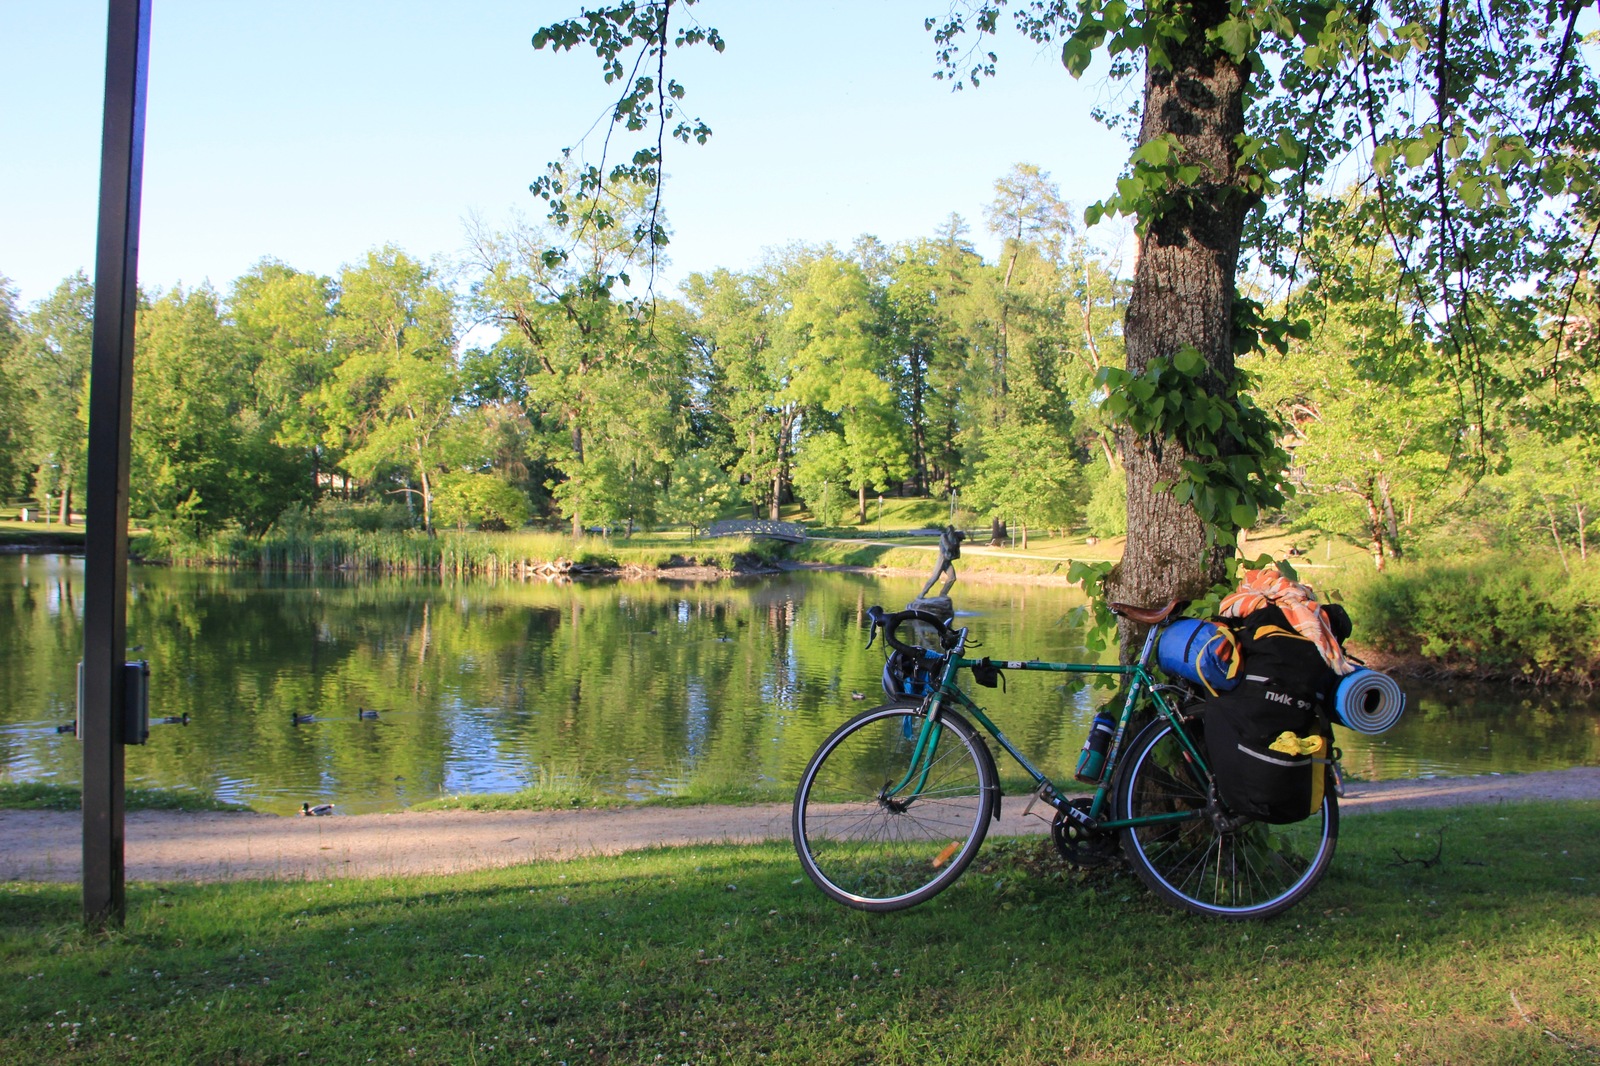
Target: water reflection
{"x": 634, "y": 688}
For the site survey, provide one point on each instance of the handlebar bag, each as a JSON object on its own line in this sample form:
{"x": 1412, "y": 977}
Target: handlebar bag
{"x": 906, "y": 677}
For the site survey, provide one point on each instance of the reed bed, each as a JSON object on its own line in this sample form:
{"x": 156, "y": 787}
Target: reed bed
{"x": 489, "y": 554}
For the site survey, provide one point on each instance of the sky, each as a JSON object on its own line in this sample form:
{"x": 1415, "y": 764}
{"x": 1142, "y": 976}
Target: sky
{"x": 312, "y": 131}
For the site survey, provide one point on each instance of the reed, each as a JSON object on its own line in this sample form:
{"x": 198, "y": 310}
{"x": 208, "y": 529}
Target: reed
{"x": 518, "y": 554}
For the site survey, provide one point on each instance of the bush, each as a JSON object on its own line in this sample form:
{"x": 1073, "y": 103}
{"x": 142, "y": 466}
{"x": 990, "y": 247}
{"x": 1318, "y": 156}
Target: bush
{"x": 1493, "y": 615}
{"x": 1107, "y": 511}
{"x": 481, "y": 500}
{"x": 335, "y": 515}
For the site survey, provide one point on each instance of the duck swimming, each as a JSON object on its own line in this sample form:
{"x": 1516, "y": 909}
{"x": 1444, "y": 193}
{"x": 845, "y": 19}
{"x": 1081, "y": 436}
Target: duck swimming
{"x": 320, "y": 809}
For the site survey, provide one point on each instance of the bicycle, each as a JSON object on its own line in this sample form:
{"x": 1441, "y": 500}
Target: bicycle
{"x": 896, "y": 802}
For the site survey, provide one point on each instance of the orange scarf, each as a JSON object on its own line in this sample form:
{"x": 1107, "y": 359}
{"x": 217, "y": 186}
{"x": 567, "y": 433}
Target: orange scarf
{"x": 1299, "y": 606}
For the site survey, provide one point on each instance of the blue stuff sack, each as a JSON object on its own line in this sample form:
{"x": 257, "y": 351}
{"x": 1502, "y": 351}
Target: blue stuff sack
{"x": 1199, "y": 651}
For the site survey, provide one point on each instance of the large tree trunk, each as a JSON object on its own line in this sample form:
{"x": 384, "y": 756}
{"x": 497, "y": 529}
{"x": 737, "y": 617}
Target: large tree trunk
{"x": 66, "y": 505}
{"x": 1183, "y": 294}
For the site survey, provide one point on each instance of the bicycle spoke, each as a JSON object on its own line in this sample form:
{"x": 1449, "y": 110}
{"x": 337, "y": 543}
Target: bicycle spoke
{"x": 1248, "y": 871}
{"x": 873, "y": 849}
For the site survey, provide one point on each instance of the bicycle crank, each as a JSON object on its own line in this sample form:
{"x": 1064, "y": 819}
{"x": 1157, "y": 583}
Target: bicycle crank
{"x": 1081, "y": 845}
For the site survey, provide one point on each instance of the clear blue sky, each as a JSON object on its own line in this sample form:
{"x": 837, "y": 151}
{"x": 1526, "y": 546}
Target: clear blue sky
{"x": 311, "y": 131}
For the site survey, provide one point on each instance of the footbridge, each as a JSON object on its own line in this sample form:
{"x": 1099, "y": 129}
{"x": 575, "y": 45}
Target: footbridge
{"x": 793, "y": 532}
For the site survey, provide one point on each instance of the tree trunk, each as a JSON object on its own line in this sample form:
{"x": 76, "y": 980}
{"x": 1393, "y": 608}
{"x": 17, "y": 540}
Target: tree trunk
{"x": 1555, "y": 535}
{"x": 861, "y": 505}
{"x": 1375, "y": 520}
{"x": 1390, "y": 524}
{"x": 1583, "y": 538}
{"x": 997, "y": 533}
{"x": 66, "y": 505}
{"x": 1024, "y": 527}
{"x": 427, "y": 503}
{"x": 1183, "y": 294}
{"x": 577, "y": 450}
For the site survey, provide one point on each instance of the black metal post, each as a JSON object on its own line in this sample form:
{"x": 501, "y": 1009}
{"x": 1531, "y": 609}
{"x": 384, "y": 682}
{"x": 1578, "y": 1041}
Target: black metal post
{"x": 105, "y": 600}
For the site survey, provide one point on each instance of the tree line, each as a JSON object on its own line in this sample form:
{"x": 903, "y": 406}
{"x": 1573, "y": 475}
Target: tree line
{"x": 519, "y": 385}
{"x": 509, "y": 386}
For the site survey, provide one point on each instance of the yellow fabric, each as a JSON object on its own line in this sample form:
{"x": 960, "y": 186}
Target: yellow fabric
{"x": 1290, "y": 744}
{"x": 1319, "y": 772}
{"x": 1300, "y": 607}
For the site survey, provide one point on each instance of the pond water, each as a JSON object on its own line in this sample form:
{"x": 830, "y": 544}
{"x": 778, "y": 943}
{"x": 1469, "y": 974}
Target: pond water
{"x": 634, "y": 688}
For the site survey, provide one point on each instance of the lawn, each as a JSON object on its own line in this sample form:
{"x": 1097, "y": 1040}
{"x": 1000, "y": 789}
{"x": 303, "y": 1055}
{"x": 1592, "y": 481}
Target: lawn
{"x": 1489, "y": 953}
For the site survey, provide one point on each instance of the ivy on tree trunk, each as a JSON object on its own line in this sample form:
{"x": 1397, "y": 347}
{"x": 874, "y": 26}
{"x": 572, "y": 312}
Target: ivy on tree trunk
{"x": 1183, "y": 296}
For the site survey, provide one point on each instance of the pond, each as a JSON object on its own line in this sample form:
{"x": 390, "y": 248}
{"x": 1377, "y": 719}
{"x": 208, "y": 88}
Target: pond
{"x": 629, "y": 688}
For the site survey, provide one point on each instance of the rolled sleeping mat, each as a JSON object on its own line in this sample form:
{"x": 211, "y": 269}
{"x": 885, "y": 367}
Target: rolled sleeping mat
{"x": 1368, "y": 702}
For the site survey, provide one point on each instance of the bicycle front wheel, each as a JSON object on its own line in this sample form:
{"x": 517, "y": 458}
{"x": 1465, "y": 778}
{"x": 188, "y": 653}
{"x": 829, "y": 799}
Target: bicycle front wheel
{"x": 879, "y": 825}
{"x": 1253, "y": 871}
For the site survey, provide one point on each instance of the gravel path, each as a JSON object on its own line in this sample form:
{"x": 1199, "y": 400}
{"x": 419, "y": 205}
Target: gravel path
{"x": 166, "y": 846}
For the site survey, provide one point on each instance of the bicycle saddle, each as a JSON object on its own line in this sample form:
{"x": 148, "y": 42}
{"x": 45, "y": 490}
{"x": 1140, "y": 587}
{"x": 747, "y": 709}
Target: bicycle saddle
{"x": 1149, "y": 616}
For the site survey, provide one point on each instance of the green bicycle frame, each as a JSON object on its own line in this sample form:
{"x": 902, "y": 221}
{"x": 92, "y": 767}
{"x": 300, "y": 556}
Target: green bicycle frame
{"x": 1139, "y": 683}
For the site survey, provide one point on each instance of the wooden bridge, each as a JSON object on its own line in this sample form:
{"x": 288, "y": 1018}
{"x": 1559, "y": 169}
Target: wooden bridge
{"x": 793, "y": 532}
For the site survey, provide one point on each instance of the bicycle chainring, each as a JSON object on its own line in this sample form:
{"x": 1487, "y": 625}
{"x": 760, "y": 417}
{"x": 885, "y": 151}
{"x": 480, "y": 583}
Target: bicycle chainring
{"x": 1084, "y": 848}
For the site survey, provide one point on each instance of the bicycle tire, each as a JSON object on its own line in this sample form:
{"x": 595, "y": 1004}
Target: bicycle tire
{"x": 882, "y": 853}
{"x": 1255, "y": 871}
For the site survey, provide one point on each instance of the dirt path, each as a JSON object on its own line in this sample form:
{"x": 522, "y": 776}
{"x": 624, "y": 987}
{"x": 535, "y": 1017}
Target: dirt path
{"x": 164, "y": 846}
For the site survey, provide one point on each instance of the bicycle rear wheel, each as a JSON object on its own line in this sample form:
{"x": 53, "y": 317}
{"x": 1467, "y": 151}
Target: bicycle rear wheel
{"x": 877, "y": 833}
{"x": 1254, "y": 871}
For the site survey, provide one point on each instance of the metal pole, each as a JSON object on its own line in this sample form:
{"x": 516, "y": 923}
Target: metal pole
{"x": 105, "y": 623}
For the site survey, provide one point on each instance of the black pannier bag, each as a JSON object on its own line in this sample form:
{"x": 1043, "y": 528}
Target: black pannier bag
{"x": 1269, "y": 740}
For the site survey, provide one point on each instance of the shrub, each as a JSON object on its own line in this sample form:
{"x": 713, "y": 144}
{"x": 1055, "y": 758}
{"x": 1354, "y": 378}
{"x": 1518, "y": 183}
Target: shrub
{"x": 1493, "y": 614}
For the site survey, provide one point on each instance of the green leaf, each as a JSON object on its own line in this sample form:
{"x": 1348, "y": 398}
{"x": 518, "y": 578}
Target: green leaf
{"x": 1417, "y": 152}
{"x": 1189, "y": 361}
{"x": 1155, "y": 151}
{"x": 1075, "y": 56}
{"x": 1291, "y": 148}
{"x": 1237, "y": 38}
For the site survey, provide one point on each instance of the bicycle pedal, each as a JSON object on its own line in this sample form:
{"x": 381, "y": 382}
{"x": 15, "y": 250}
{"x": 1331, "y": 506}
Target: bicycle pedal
{"x": 1043, "y": 793}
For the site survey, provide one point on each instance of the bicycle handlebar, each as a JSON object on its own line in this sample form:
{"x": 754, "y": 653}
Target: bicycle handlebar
{"x": 890, "y": 621}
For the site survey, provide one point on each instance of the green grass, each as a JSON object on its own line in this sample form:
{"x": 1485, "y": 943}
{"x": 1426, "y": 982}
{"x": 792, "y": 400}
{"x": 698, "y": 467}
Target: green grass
{"x": 29, "y": 796}
{"x": 45, "y": 534}
{"x": 727, "y": 955}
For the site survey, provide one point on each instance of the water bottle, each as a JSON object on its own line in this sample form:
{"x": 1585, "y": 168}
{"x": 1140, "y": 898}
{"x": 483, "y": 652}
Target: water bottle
{"x": 1092, "y": 759}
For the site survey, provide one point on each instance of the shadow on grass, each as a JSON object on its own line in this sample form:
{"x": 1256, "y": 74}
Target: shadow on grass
{"x": 729, "y": 954}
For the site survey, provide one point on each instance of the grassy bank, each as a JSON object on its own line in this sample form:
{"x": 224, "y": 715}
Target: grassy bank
{"x": 32, "y": 796}
{"x": 1488, "y": 955}
{"x": 29, "y": 796}
{"x": 492, "y": 554}
{"x": 41, "y": 535}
